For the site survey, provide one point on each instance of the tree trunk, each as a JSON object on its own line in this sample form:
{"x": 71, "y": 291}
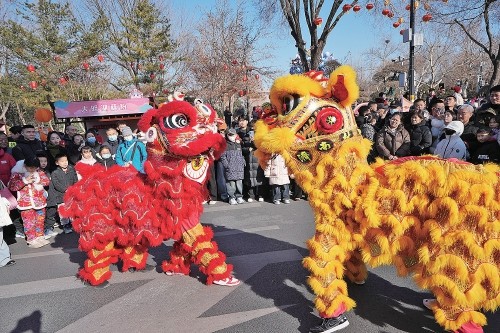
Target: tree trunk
{"x": 495, "y": 75}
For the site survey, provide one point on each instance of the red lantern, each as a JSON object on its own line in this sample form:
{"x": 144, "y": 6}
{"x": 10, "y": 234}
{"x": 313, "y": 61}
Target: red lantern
{"x": 245, "y": 78}
{"x": 63, "y": 80}
{"x": 396, "y": 24}
{"x": 317, "y": 21}
{"x": 385, "y": 11}
{"x": 369, "y": 6}
{"x": 257, "y": 76}
{"x": 356, "y": 8}
{"x": 241, "y": 93}
{"x": 162, "y": 66}
{"x": 57, "y": 58}
{"x": 33, "y": 85}
{"x": 427, "y": 17}
{"x": 234, "y": 62}
{"x": 390, "y": 14}
{"x": 161, "y": 57}
{"x": 100, "y": 57}
{"x": 407, "y": 7}
{"x": 86, "y": 66}
{"x": 346, "y": 8}
{"x": 152, "y": 76}
{"x": 402, "y": 31}
{"x": 31, "y": 68}
{"x": 43, "y": 115}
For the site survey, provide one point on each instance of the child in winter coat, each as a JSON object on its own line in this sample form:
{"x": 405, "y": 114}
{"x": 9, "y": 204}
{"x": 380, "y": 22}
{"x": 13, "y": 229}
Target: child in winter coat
{"x": 62, "y": 178}
{"x": 29, "y": 181}
{"x": 277, "y": 172}
{"x": 234, "y": 167}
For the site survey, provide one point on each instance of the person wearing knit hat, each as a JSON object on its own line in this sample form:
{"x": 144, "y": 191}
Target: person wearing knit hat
{"x": 221, "y": 127}
{"x": 130, "y": 151}
{"x": 126, "y": 131}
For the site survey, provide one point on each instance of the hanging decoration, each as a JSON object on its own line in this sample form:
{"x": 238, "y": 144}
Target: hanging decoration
{"x": 369, "y": 6}
{"x": 162, "y": 67}
{"x": 43, "y": 115}
{"x": 33, "y": 85}
{"x": 161, "y": 57}
{"x": 427, "y": 17}
{"x": 356, "y": 8}
{"x": 63, "y": 80}
{"x": 31, "y": 68}
{"x": 317, "y": 21}
{"x": 100, "y": 58}
{"x": 346, "y": 8}
{"x": 86, "y": 66}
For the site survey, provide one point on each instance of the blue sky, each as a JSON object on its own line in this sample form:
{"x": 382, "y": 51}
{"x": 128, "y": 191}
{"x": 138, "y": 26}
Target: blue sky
{"x": 354, "y": 34}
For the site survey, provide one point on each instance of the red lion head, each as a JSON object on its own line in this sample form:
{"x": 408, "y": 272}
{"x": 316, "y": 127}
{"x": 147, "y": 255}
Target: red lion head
{"x": 182, "y": 130}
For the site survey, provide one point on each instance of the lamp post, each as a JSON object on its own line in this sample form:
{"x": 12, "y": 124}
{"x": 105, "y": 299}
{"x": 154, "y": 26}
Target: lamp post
{"x": 411, "y": 70}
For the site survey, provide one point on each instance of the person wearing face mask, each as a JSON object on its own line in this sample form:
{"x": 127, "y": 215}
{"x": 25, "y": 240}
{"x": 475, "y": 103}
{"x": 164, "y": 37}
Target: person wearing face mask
{"x": 131, "y": 152}
{"x": 234, "y": 167}
{"x": 112, "y": 140}
{"x": 91, "y": 141}
{"x": 452, "y": 146}
{"x": 105, "y": 157}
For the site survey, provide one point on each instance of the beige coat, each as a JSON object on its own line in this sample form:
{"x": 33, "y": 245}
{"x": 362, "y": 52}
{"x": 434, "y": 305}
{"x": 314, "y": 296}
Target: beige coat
{"x": 276, "y": 171}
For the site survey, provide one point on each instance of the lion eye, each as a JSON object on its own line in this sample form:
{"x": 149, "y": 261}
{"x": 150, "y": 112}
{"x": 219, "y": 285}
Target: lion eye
{"x": 290, "y": 102}
{"x": 178, "y": 120}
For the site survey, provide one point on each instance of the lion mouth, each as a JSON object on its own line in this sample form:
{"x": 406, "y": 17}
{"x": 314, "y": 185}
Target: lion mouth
{"x": 308, "y": 129}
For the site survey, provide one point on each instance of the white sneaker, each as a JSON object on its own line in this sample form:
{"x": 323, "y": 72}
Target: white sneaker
{"x": 233, "y": 201}
{"x": 261, "y": 199}
{"x": 276, "y": 202}
{"x": 240, "y": 200}
{"x": 249, "y": 200}
{"x": 429, "y": 303}
{"x": 287, "y": 201}
{"x": 229, "y": 282}
{"x": 38, "y": 242}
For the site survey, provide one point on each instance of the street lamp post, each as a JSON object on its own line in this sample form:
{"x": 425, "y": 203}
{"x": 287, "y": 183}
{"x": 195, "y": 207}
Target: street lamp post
{"x": 411, "y": 70}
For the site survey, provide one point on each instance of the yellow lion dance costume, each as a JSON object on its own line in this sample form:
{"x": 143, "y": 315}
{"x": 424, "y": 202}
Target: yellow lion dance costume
{"x": 435, "y": 219}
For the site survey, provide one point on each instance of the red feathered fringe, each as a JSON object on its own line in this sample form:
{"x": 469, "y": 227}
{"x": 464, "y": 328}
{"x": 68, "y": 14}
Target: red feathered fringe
{"x": 128, "y": 262}
{"x": 218, "y": 260}
{"x": 179, "y": 259}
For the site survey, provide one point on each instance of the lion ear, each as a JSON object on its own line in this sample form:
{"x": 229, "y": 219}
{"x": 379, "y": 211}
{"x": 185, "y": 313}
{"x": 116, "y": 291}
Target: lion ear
{"x": 146, "y": 120}
{"x": 343, "y": 86}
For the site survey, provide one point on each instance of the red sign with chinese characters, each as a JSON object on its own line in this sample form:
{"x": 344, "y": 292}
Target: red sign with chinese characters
{"x": 100, "y": 108}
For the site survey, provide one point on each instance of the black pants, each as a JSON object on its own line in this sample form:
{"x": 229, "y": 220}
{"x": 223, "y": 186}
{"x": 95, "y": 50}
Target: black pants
{"x": 212, "y": 184}
{"x": 51, "y": 217}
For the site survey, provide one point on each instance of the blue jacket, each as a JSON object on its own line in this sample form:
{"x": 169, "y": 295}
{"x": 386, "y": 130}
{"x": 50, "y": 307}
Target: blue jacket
{"x": 125, "y": 151}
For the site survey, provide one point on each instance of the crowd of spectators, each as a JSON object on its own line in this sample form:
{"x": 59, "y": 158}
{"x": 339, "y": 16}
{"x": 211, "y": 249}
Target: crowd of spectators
{"x": 39, "y": 172}
{"x": 439, "y": 126}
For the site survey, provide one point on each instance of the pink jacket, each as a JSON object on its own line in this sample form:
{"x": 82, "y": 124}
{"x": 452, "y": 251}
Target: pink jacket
{"x": 29, "y": 196}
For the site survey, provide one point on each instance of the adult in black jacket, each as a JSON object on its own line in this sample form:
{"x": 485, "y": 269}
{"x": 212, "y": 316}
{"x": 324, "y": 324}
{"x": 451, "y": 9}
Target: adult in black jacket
{"x": 27, "y": 146}
{"x": 420, "y": 134}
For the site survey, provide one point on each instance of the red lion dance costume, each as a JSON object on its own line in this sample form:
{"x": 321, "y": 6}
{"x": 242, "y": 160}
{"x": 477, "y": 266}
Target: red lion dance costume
{"x": 120, "y": 213}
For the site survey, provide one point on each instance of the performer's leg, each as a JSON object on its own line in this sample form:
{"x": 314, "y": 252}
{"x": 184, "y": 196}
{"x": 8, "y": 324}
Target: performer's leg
{"x": 355, "y": 268}
{"x": 325, "y": 262}
{"x": 459, "y": 293}
{"x": 96, "y": 268}
{"x": 134, "y": 257}
{"x": 179, "y": 260}
{"x": 205, "y": 253}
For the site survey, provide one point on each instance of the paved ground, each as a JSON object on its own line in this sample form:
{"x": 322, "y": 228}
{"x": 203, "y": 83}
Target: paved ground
{"x": 265, "y": 243}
